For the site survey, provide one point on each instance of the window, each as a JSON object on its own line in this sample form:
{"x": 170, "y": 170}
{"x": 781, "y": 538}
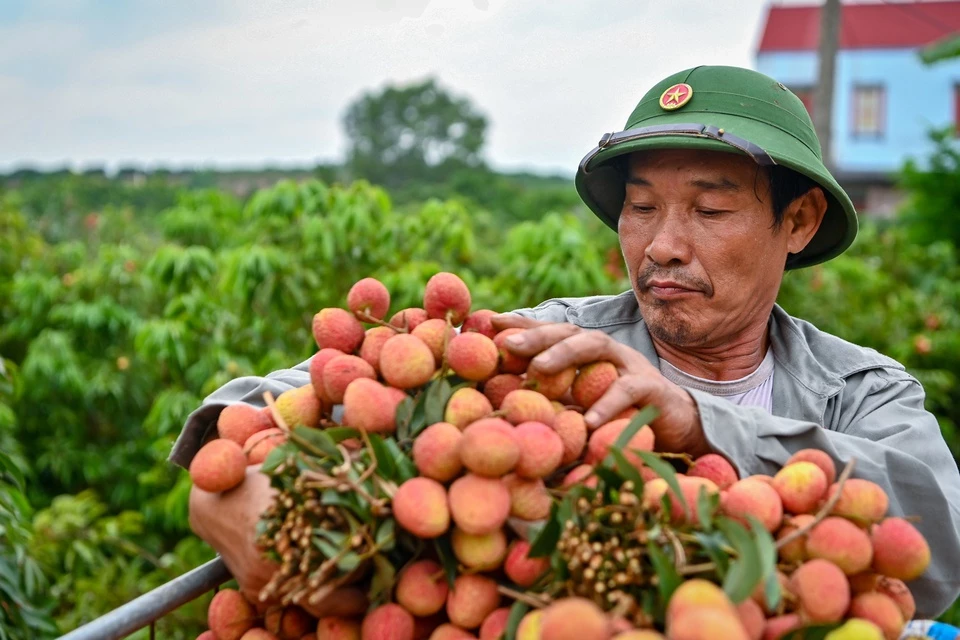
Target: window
{"x": 869, "y": 112}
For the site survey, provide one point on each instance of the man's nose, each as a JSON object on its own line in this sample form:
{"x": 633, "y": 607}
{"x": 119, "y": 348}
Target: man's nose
{"x": 671, "y": 240}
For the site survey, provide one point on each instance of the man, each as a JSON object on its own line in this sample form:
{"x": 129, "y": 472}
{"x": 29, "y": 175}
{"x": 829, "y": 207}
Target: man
{"x": 715, "y": 187}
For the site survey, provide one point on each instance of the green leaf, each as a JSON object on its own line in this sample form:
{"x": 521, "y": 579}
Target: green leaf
{"x": 767, "y": 550}
{"x": 745, "y": 571}
{"x": 628, "y": 471}
{"x": 435, "y": 401}
{"x": 712, "y": 544}
{"x": 326, "y": 548}
{"x": 447, "y": 560}
{"x": 384, "y": 575}
{"x": 669, "y": 578}
{"x": 546, "y": 541}
{"x": 348, "y": 562}
{"x": 404, "y": 417}
{"x": 318, "y": 440}
{"x": 277, "y": 456}
{"x": 707, "y": 505}
{"x": 665, "y": 471}
{"x": 384, "y": 538}
{"x": 347, "y": 500}
{"x": 386, "y": 466}
{"x": 418, "y": 422}
{"x": 339, "y": 434}
{"x": 517, "y": 611}
{"x": 637, "y": 422}
{"x": 405, "y": 467}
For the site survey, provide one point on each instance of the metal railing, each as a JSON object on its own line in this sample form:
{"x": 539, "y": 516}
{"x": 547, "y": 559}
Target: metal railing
{"x": 148, "y": 608}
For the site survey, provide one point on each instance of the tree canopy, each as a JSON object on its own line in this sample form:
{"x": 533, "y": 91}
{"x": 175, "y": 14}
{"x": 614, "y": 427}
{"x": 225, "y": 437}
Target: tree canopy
{"x": 414, "y": 132}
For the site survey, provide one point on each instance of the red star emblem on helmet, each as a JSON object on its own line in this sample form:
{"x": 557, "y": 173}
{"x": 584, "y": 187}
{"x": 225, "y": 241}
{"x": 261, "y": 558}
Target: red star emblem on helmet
{"x": 676, "y": 96}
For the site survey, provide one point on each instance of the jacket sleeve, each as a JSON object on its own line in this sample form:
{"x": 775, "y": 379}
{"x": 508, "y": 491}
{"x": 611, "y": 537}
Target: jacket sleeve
{"x": 249, "y": 389}
{"x": 881, "y": 422}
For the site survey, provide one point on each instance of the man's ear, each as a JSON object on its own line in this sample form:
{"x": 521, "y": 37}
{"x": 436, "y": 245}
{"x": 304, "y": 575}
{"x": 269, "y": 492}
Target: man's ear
{"x": 803, "y": 217}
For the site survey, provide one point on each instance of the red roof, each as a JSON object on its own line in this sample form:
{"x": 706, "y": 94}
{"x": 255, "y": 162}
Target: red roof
{"x": 891, "y": 25}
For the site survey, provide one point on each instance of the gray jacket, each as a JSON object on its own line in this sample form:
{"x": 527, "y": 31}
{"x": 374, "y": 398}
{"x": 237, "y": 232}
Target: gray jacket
{"x": 869, "y": 408}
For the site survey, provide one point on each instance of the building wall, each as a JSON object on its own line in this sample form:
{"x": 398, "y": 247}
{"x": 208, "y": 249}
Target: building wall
{"x": 918, "y": 98}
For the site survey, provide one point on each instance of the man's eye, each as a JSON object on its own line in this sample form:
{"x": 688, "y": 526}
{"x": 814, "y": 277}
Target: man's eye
{"x": 640, "y": 208}
{"x": 709, "y": 212}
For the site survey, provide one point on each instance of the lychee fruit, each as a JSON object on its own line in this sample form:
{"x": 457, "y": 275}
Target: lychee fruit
{"x": 574, "y": 619}
{"x": 490, "y": 447}
{"x": 436, "y": 334}
{"x": 714, "y": 467}
{"x": 422, "y": 588}
{"x": 472, "y": 598}
{"x": 420, "y": 507}
{"x": 572, "y": 429}
{"x": 435, "y": 452}
{"x": 218, "y": 466}
{"x": 409, "y": 319}
{"x": 552, "y": 385}
{"x": 466, "y": 405}
{"x": 373, "y": 343}
{"x": 340, "y": 372}
{"x": 387, "y": 622}
{"x": 524, "y": 405}
{"x": 529, "y": 499}
{"x": 509, "y": 361}
{"x": 230, "y": 615}
{"x": 899, "y": 550}
{"x": 371, "y": 406}
{"x": 368, "y": 297}
{"x": 606, "y": 436}
{"x": 239, "y": 421}
{"x": 261, "y": 443}
{"x": 521, "y": 568}
{"x": 497, "y": 387}
{"x": 406, "y": 362}
{"x": 479, "y": 505}
{"x": 480, "y": 553}
{"x": 317, "y": 363}
{"x": 300, "y": 406}
{"x": 820, "y": 458}
{"x": 472, "y": 356}
{"x": 337, "y": 329}
{"x": 753, "y": 498}
{"x": 479, "y": 321}
{"x": 446, "y": 296}
{"x": 495, "y": 624}
{"x": 801, "y": 486}
{"x": 592, "y": 382}
{"x": 541, "y": 450}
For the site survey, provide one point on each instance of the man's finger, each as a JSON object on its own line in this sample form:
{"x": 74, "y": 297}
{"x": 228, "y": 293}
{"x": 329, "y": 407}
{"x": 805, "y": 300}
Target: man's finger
{"x": 580, "y": 348}
{"x": 533, "y": 341}
{"x": 503, "y": 321}
{"x": 626, "y": 392}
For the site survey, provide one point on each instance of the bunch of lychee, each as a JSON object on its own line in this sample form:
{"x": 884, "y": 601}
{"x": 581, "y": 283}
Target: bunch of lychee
{"x": 511, "y": 441}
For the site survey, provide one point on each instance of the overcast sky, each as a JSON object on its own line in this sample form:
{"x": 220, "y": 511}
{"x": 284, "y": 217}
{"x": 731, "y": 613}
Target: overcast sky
{"x": 248, "y": 82}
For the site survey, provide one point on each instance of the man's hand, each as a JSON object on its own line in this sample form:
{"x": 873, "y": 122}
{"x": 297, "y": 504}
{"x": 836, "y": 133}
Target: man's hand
{"x": 228, "y": 522}
{"x": 557, "y": 346}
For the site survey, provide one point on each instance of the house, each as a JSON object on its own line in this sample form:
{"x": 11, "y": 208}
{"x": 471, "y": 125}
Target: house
{"x": 885, "y": 99}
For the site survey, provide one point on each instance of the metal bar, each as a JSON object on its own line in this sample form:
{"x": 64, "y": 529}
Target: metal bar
{"x": 139, "y": 613}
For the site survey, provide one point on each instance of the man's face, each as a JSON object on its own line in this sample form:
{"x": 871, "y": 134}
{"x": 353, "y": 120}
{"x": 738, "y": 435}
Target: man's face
{"x": 697, "y": 235}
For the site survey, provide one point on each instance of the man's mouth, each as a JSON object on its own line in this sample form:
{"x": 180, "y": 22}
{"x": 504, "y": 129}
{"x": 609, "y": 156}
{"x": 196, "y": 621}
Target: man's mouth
{"x": 668, "y": 288}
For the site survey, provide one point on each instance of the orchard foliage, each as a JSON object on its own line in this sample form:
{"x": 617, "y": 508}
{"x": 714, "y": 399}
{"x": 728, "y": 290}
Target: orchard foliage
{"x": 120, "y": 310}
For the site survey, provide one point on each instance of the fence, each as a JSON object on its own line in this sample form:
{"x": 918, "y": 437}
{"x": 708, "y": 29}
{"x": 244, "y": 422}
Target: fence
{"x": 148, "y": 608}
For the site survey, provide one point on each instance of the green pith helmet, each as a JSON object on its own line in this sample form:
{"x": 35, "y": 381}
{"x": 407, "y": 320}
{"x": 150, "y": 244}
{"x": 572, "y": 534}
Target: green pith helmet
{"x": 722, "y": 109}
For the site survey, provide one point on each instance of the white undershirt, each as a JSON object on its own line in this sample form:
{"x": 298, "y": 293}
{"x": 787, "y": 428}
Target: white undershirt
{"x": 755, "y": 389}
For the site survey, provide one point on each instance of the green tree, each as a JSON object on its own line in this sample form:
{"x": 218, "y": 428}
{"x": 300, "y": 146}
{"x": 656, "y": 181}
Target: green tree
{"x": 416, "y": 132}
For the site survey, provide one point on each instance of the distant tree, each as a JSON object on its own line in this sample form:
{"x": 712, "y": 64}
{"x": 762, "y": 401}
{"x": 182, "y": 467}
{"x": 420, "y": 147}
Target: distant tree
{"x": 418, "y": 132}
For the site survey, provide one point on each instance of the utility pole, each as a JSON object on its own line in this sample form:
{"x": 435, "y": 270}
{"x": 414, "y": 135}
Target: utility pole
{"x": 823, "y": 93}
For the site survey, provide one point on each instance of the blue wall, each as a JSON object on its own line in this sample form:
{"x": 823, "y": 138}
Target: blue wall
{"x": 918, "y": 98}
